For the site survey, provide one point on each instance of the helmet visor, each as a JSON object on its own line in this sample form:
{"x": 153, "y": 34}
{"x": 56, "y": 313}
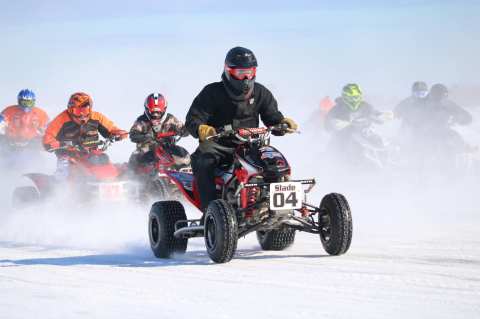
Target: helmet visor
{"x": 242, "y": 73}
{"x": 421, "y": 94}
{"x": 80, "y": 111}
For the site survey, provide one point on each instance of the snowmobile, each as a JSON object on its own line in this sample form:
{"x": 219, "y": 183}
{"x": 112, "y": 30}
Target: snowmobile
{"x": 92, "y": 176}
{"x": 254, "y": 194}
{"x": 155, "y": 182}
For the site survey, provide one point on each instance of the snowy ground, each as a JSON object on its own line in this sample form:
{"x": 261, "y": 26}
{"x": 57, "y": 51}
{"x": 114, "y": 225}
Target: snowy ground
{"x": 98, "y": 265}
{"x": 379, "y": 278}
{"x": 415, "y": 254}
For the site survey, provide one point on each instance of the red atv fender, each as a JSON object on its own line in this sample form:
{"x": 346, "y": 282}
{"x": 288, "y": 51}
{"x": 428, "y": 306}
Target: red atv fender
{"x": 43, "y": 182}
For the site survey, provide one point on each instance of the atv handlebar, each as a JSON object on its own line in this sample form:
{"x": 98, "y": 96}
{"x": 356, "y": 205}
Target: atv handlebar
{"x": 84, "y": 147}
{"x": 166, "y": 135}
{"x": 252, "y": 134}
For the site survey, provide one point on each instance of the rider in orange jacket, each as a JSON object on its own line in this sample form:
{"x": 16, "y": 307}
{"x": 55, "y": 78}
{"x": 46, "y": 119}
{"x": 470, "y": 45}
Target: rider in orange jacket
{"x": 77, "y": 125}
{"x": 24, "y": 123}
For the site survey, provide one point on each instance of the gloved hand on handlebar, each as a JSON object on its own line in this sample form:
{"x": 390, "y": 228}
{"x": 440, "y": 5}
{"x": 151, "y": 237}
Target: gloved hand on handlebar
{"x": 292, "y": 126}
{"x": 205, "y": 131}
{"x": 118, "y": 135}
{"x": 57, "y": 145}
{"x": 54, "y": 145}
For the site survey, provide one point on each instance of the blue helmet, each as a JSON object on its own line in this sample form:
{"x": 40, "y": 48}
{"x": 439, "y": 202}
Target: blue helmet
{"x": 3, "y": 125}
{"x": 26, "y": 99}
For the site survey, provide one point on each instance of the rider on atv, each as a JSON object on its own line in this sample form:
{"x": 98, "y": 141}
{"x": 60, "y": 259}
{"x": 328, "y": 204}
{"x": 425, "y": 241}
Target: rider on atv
{"x": 351, "y": 118}
{"x": 238, "y": 101}
{"x": 409, "y": 109}
{"x": 147, "y": 129}
{"x": 77, "y": 126}
{"x": 436, "y": 132}
{"x": 23, "y": 124}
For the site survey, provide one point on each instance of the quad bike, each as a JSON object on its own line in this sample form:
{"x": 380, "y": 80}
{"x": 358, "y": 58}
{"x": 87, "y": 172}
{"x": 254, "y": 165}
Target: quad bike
{"x": 92, "y": 176}
{"x": 255, "y": 194}
{"x": 155, "y": 182}
{"x": 359, "y": 147}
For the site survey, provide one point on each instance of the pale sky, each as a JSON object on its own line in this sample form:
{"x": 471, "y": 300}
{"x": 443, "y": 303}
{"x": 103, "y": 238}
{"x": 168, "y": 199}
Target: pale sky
{"x": 121, "y": 51}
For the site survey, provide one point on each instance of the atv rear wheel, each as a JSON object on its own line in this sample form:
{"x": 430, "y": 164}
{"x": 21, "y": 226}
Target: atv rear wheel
{"x": 161, "y": 227}
{"x": 24, "y": 196}
{"x": 335, "y": 223}
{"x": 221, "y": 231}
{"x": 277, "y": 239}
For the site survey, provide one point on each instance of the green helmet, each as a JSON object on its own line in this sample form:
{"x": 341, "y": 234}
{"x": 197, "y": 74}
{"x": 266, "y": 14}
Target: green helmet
{"x": 352, "y": 95}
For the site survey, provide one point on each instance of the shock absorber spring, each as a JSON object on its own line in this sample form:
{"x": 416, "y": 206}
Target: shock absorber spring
{"x": 251, "y": 199}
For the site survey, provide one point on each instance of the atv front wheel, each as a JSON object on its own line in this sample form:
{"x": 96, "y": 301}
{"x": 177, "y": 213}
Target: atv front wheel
{"x": 24, "y": 196}
{"x": 158, "y": 189}
{"x": 221, "y": 231}
{"x": 161, "y": 227}
{"x": 277, "y": 239}
{"x": 335, "y": 223}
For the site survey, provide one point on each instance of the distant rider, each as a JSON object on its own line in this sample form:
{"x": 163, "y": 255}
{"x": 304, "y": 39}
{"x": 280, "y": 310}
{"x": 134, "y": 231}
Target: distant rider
{"x": 443, "y": 113}
{"x": 352, "y": 117}
{"x": 149, "y": 126}
{"x": 23, "y": 124}
{"x": 79, "y": 126}
{"x": 410, "y": 110}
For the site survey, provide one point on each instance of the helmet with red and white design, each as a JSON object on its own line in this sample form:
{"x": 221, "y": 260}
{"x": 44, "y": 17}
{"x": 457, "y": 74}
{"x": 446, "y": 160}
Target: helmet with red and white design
{"x": 155, "y": 106}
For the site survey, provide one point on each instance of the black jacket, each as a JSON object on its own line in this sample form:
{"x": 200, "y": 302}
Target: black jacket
{"x": 445, "y": 113}
{"x": 215, "y": 107}
{"x": 342, "y": 112}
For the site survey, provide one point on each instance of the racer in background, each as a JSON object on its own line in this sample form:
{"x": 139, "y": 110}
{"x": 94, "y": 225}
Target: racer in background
{"x": 22, "y": 125}
{"x": 145, "y": 131}
{"x": 77, "y": 126}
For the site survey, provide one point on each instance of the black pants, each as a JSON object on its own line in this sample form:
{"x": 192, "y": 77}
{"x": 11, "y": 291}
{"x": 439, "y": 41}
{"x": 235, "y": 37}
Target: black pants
{"x": 209, "y": 156}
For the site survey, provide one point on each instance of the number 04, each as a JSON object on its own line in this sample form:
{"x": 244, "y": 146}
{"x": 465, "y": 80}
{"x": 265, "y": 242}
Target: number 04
{"x": 279, "y": 199}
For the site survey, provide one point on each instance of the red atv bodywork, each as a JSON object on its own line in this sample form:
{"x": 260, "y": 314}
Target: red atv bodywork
{"x": 90, "y": 171}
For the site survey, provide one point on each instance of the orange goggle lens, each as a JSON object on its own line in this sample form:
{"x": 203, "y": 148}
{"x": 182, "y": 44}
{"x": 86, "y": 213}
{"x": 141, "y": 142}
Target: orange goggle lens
{"x": 80, "y": 111}
{"x": 242, "y": 73}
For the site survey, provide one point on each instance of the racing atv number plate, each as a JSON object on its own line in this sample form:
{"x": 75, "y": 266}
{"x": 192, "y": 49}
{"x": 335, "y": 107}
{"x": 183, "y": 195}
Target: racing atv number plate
{"x": 111, "y": 191}
{"x": 286, "y": 196}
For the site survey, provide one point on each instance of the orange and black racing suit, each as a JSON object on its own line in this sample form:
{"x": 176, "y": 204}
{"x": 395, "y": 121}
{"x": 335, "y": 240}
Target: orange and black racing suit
{"x": 64, "y": 130}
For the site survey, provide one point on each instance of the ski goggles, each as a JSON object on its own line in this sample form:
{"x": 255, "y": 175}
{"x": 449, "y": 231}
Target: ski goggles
{"x": 80, "y": 111}
{"x": 242, "y": 73}
{"x": 26, "y": 103}
{"x": 420, "y": 94}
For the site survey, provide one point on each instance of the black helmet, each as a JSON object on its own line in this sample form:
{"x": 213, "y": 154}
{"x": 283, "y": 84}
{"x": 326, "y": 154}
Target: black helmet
{"x": 240, "y": 70}
{"x": 438, "y": 92}
{"x": 419, "y": 90}
{"x": 239, "y": 57}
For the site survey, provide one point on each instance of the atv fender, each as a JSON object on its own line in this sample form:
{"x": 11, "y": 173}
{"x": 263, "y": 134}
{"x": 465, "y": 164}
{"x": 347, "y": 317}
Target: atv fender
{"x": 43, "y": 182}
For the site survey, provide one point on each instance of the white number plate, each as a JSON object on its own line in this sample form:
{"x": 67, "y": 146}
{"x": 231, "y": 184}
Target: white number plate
{"x": 287, "y": 195}
{"x": 111, "y": 191}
